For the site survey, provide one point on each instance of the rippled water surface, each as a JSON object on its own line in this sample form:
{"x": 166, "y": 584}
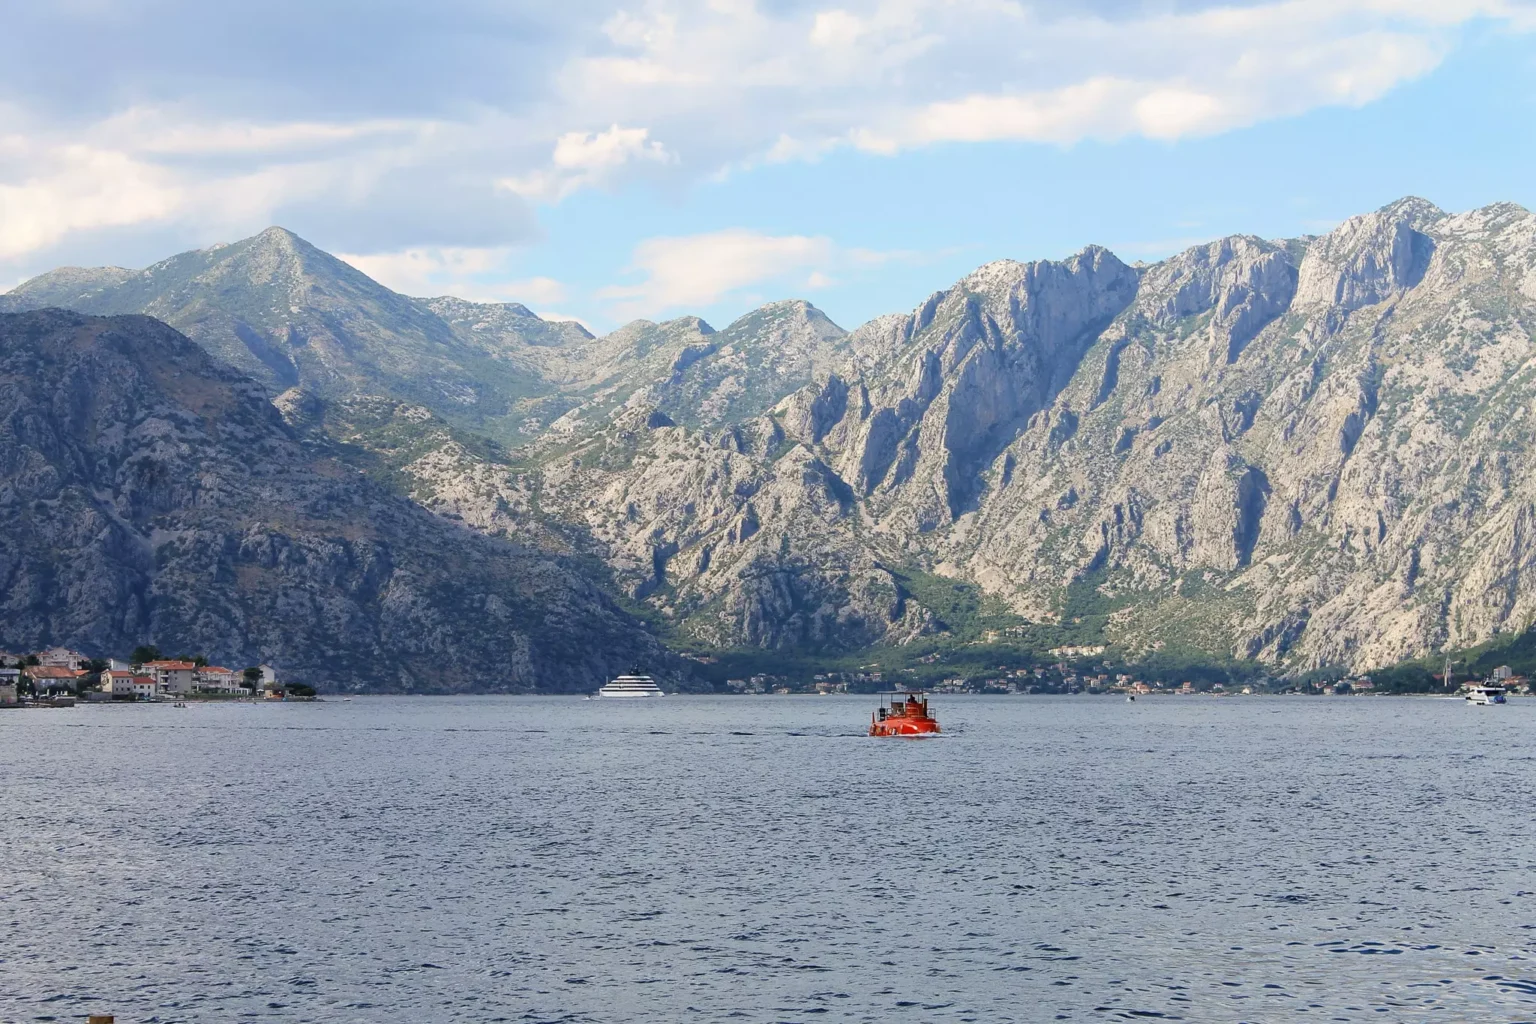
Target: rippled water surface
{"x": 759, "y": 859}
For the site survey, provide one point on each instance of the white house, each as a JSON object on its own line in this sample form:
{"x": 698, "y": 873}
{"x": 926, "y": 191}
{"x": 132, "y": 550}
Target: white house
{"x": 145, "y": 688}
{"x": 61, "y": 657}
{"x": 117, "y": 682}
{"x": 268, "y": 677}
{"x": 215, "y": 679}
{"x": 54, "y": 679}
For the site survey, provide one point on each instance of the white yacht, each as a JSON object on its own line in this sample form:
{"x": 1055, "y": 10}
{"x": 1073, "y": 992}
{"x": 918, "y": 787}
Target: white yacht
{"x": 1485, "y": 693}
{"x": 631, "y": 686}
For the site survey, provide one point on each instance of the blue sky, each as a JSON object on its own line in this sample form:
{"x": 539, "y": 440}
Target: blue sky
{"x": 605, "y": 159}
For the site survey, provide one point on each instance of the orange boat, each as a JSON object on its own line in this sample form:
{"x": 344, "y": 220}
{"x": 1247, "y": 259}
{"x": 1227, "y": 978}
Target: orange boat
{"x": 905, "y": 717}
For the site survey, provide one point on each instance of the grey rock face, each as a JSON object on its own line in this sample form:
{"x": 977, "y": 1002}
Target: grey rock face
{"x": 149, "y": 493}
{"x": 1307, "y": 451}
{"x": 1300, "y": 451}
{"x": 288, "y": 314}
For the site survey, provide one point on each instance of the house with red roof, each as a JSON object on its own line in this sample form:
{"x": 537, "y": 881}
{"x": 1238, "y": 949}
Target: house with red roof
{"x": 173, "y": 677}
{"x": 53, "y": 679}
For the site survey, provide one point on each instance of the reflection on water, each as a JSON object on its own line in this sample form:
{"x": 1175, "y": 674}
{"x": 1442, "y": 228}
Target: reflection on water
{"x": 760, "y": 859}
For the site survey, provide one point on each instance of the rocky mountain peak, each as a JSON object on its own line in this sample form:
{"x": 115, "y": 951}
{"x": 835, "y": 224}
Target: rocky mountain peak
{"x": 1418, "y": 212}
{"x": 788, "y": 321}
{"x": 1369, "y": 258}
{"x": 150, "y": 493}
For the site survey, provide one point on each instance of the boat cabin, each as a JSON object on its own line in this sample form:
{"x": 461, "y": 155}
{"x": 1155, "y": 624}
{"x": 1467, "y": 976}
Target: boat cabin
{"x": 902, "y": 713}
{"x": 1486, "y": 693}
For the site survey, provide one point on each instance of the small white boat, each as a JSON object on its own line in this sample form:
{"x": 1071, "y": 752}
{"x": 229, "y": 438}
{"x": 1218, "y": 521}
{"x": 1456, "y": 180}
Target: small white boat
{"x": 1486, "y": 693}
{"x": 628, "y": 687}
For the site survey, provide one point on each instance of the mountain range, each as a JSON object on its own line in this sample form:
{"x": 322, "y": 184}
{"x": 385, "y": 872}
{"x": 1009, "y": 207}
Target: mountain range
{"x": 151, "y": 492}
{"x": 1300, "y": 451}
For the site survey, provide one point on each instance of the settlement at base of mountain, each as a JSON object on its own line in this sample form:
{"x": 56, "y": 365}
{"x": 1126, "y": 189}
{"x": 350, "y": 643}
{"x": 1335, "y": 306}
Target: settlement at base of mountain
{"x": 148, "y": 491}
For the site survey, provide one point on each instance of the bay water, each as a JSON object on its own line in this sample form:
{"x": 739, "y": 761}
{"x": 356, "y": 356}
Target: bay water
{"x": 760, "y": 859}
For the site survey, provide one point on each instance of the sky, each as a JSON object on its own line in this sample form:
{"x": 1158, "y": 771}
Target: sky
{"x": 606, "y": 160}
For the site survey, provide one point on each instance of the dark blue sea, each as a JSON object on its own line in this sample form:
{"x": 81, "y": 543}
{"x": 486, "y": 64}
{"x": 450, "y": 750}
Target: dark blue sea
{"x": 760, "y": 859}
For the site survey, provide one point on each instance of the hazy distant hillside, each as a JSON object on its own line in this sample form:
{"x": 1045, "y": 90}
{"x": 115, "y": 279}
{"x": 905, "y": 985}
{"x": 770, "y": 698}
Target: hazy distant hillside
{"x": 1307, "y": 450}
{"x": 290, "y": 315}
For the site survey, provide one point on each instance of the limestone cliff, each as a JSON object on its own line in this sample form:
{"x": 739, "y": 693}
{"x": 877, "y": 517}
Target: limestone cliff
{"x": 1307, "y": 451}
{"x": 151, "y": 494}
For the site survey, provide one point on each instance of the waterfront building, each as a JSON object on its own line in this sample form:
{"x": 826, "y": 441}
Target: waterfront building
{"x": 117, "y": 683}
{"x": 61, "y": 657}
{"x": 216, "y": 679}
{"x": 54, "y": 679}
{"x": 178, "y": 678}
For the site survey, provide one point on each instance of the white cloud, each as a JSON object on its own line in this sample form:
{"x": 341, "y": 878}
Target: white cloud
{"x": 450, "y": 154}
{"x": 730, "y": 84}
{"x": 583, "y": 159}
{"x": 58, "y": 187}
{"x": 476, "y": 274}
{"x": 149, "y": 168}
{"x": 691, "y": 271}
{"x": 697, "y": 270}
{"x": 538, "y": 291}
{"x": 150, "y": 130}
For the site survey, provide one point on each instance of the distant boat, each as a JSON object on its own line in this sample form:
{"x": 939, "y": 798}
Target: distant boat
{"x": 1486, "y": 694}
{"x": 628, "y": 687}
{"x": 906, "y": 717}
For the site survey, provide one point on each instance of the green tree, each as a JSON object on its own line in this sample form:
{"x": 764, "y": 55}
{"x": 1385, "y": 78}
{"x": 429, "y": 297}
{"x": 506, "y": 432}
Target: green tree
{"x": 300, "y": 690}
{"x": 200, "y": 660}
{"x": 144, "y": 653}
{"x": 31, "y": 659}
{"x": 252, "y": 677}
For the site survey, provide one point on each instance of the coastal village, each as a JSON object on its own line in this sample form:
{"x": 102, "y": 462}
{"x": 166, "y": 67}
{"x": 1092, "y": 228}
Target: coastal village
{"x": 1077, "y": 670}
{"x": 60, "y": 677}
